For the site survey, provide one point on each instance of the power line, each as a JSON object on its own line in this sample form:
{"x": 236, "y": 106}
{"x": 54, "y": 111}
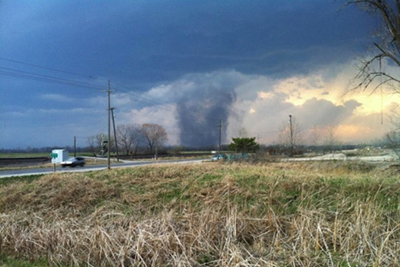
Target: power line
{"x": 46, "y": 68}
{"x": 45, "y": 78}
{"x": 56, "y": 80}
{"x": 51, "y": 79}
{"x": 63, "y": 81}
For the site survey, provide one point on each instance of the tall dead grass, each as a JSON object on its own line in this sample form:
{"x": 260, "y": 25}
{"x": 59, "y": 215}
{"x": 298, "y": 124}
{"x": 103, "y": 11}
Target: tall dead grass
{"x": 210, "y": 215}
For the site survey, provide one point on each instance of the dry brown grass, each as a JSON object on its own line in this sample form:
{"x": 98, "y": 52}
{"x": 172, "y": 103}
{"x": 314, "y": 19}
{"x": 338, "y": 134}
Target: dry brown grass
{"x": 302, "y": 214}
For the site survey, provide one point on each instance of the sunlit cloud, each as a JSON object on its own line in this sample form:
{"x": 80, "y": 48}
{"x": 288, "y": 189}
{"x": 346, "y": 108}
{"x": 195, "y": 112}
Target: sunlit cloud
{"x": 316, "y": 100}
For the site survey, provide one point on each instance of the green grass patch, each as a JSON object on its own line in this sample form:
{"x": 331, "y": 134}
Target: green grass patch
{"x": 6, "y": 261}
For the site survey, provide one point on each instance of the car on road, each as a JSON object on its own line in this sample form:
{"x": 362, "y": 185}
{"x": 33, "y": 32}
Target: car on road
{"x": 73, "y": 162}
{"x": 218, "y": 157}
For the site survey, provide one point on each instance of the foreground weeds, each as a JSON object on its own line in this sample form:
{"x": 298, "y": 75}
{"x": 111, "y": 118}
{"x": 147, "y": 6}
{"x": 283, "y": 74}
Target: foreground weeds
{"x": 206, "y": 215}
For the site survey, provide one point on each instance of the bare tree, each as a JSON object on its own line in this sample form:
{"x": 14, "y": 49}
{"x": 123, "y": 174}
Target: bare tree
{"x": 96, "y": 143}
{"x": 128, "y": 136}
{"x": 386, "y": 44}
{"x": 315, "y": 135}
{"x": 326, "y": 138}
{"x": 290, "y": 135}
{"x": 393, "y": 136}
{"x": 393, "y": 140}
{"x": 331, "y": 139}
{"x": 92, "y": 144}
{"x": 315, "y": 138}
{"x": 155, "y": 135}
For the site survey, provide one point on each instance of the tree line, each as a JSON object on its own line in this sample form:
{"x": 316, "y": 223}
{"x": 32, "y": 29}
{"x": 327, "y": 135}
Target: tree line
{"x": 129, "y": 139}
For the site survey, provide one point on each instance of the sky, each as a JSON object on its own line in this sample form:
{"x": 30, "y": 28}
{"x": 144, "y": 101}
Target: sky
{"x": 190, "y": 66}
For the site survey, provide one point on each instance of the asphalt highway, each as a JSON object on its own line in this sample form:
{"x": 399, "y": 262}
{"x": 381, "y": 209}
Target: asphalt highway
{"x": 88, "y": 168}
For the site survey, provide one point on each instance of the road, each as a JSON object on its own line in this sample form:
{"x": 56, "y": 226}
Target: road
{"x": 39, "y": 171}
{"x": 389, "y": 157}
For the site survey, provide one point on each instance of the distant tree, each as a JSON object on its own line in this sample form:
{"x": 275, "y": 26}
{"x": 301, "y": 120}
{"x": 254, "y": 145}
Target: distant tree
{"x": 290, "y": 135}
{"x": 386, "y": 43}
{"x": 92, "y": 142}
{"x": 244, "y": 145}
{"x": 331, "y": 139}
{"x": 392, "y": 137}
{"x": 96, "y": 143}
{"x": 315, "y": 136}
{"x": 154, "y": 135}
{"x": 325, "y": 138}
{"x": 128, "y": 136}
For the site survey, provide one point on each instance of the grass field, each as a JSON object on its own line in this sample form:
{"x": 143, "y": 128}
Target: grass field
{"x": 277, "y": 214}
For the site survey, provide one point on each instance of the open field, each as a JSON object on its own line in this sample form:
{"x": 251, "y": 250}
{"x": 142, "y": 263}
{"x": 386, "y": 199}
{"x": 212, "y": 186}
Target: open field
{"x": 276, "y": 214}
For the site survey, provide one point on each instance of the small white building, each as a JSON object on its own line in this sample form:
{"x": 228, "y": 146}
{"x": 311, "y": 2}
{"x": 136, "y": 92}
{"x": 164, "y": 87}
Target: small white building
{"x": 59, "y": 155}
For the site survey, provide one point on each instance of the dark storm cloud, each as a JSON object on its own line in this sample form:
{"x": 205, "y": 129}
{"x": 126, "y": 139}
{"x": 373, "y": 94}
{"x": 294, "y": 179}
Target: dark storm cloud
{"x": 148, "y": 43}
{"x": 158, "y": 41}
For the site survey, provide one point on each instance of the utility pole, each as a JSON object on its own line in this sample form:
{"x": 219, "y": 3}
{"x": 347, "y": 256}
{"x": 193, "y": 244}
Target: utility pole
{"x": 115, "y": 133}
{"x": 219, "y": 139}
{"x": 291, "y": 136}
{"x": 109, "y": 124}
